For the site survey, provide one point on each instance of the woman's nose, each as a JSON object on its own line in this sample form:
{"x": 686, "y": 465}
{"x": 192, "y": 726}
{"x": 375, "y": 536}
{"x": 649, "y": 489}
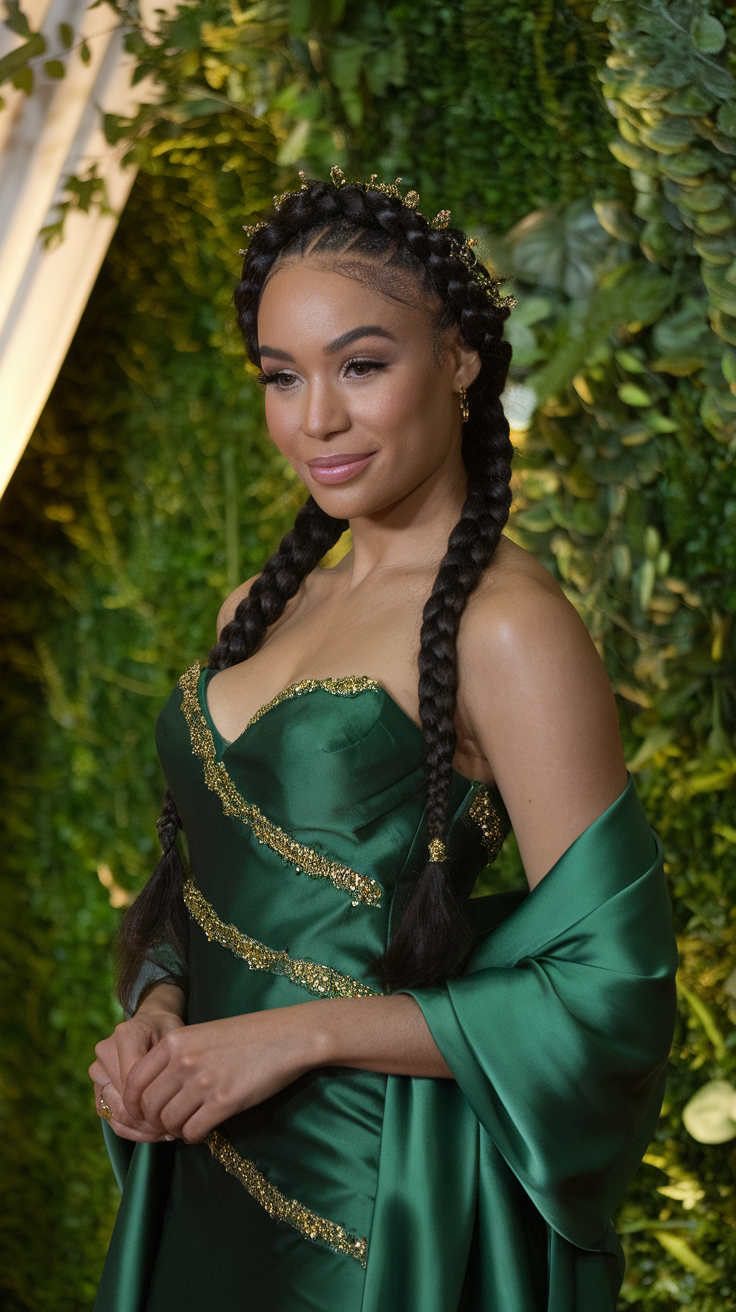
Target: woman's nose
{"x": 324, "y": 411}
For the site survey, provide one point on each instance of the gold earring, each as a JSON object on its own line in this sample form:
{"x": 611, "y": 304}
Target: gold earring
{"x": 464, "y": 407}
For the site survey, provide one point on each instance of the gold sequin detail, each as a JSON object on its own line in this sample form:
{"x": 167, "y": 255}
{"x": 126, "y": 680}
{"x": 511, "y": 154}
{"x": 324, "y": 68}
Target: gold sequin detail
{"x": 321, "y": 980}
{"x": 282, "y": 1208}
{"x": 347, "y": 687}
{"x": 484, "y": 813}
{"x": 361, "y": 888}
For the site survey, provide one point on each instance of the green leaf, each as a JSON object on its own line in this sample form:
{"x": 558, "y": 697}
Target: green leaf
{"x": 14, "y": 63}
{"x": 115, "y": 127}
{"x": 708, "y": 34}
{"x": 708, "y": 196}
{"x": 66, "y": 35}
{"x": 616, "y": 218}
{"x": 726, "y": 118}
{"x": 717, "y": 82}
{"x": 670, "y": 135}
{"x": 299, "y": 16}
{"x": 728, "y": 366}
{"x": 53, "y": 68}
{"x": 684, "y": 1254}
{"x": 23, "y": 80}
{"x": 140, "y": 71}
{"x": 16, "y": 19}
{"x": 85, "y": 54}
{"x": 537, "y": 520}
{"x": 345, "y": 64}
{"x": 691, "y": 100}
{"x": 686, "y": 164}
{"x": 634, "y": 157}
{"x": 715, "y": 250}
{"x": 587, "y": 519}
{"x": 630, "y": 362}
{"x": 633, "y": 394}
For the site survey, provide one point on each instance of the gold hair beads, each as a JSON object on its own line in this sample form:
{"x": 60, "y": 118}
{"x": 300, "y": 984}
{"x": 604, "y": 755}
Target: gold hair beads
{"x": 437, "y": 850}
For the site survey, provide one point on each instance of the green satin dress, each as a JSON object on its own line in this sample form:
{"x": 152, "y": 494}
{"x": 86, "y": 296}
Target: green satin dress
{"x": 351, "y": 1191}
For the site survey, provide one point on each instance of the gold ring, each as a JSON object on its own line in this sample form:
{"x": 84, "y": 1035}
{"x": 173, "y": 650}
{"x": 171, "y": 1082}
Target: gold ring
{"x": 105, "y": 1110}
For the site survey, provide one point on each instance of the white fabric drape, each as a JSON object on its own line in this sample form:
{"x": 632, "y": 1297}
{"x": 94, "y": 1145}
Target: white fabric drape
{"x": 44, "y": 138}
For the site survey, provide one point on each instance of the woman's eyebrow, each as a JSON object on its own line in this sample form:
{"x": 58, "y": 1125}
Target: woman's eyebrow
{"x": 276, "y": 354}
{"x": 368, "y": 330}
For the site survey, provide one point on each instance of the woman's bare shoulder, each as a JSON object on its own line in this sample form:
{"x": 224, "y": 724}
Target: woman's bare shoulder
{"x": 514, "y": 596}
{"x": 231, "y": 603}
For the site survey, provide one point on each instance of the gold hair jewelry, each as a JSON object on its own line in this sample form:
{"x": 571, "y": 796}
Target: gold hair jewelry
{"x": 464, "y": 407}
{"x": 462, "y": 250}
{"x": 105, "y": 1109}
{"x": 437, "y": 851}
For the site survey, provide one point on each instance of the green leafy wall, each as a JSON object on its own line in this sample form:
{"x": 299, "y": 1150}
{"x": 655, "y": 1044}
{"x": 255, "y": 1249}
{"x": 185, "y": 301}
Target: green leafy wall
{"x": 150, "y": 488}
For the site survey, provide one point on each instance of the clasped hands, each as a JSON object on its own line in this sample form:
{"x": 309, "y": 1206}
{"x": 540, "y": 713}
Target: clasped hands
{"x": 162, "y": 1079}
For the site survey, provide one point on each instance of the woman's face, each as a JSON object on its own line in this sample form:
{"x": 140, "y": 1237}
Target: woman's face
{"x": 361, "y": 398}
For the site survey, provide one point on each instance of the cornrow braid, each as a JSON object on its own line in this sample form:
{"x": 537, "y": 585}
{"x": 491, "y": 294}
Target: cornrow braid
{"x": 372, "y": 228}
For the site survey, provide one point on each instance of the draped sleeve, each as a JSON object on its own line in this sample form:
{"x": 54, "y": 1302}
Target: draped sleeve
{"x": 559, "y": 1031}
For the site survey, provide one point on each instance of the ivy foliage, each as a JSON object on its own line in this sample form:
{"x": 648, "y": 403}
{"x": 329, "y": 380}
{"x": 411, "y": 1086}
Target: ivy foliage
{"x": 150, "y": 488}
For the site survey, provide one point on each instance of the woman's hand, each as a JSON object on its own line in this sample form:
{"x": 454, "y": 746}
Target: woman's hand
{"x": 158, "y": 1015}
{"x": 197, "y": 1076}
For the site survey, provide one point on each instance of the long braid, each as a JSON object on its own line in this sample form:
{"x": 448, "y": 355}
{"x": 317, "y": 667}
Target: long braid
{"x": 432, "y": 940}
{"x": 299, "y": 552}
{"x": 158, "y": 912}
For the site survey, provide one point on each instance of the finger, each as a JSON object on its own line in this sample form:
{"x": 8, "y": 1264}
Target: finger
{"x": 99, "y": 1074}
{"x": 107, "y": 1056}
{"x": 132, "y": 1045}
{"x": 182, "y": 1110}
{"x": 110, "y": 1108}
{"x": 161, "y": 1093}
{"x": 196, "y": 1128}
{"x": 143, "y": 1073}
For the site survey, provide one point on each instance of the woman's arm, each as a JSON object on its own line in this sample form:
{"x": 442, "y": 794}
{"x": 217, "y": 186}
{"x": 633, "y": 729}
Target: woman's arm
{"x": 200, "y": 1075}
{"x": 536, "y": 699}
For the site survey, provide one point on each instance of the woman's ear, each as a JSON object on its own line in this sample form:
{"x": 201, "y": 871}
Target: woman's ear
{"x": 465, "y": 359}
{"x": 468, "y": 367}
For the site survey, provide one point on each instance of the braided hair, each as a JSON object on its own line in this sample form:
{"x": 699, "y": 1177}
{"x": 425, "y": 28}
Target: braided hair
{"x": 370, "y": 228}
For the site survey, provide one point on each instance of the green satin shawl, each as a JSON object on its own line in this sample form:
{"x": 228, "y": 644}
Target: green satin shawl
{"x": 489, "y": 1193}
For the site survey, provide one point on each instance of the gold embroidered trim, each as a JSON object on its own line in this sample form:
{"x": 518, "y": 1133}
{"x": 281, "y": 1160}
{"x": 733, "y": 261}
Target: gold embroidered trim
{"x": 282, "y": 1208}
{"x": 321, "y": 980}
{"x": 361, "y": 888}
{"x": 485, "y": 815}
{"x": 346, "y": 687}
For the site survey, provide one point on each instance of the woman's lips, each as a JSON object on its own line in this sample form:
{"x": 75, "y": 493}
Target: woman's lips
{"x": 338, "y": 468}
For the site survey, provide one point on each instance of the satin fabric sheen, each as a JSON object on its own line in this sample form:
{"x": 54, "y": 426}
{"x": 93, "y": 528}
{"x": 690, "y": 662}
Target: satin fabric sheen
{"x": 489, "y": 1193}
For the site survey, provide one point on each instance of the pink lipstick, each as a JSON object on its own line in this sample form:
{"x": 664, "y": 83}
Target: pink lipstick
{"x": 340, "y": 467}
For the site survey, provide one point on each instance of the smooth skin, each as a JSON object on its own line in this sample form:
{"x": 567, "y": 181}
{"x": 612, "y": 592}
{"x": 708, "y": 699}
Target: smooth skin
{"x": 354, "y": 372}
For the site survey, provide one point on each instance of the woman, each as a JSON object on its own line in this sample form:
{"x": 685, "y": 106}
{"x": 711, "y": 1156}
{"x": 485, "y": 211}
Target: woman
{"x": 362, "y": 1090}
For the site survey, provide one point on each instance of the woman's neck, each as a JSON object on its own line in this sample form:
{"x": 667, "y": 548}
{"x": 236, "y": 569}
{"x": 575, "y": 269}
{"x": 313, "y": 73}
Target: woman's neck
{"x": 411, "y": 533}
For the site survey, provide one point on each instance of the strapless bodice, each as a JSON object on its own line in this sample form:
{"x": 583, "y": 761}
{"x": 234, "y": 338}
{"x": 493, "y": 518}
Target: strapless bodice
{"x": 306, "y": 832}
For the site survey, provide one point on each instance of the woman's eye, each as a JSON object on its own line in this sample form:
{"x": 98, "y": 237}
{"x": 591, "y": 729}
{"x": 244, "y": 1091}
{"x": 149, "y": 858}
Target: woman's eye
{"x": 282, "y": 379}
{"x": 361, "y": 368}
